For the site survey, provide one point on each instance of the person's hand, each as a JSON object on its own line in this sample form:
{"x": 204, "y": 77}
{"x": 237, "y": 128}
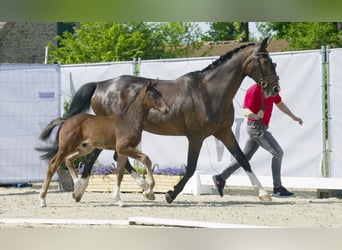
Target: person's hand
{"x": 260, "y": 114}
{"x": 299, "y": 120}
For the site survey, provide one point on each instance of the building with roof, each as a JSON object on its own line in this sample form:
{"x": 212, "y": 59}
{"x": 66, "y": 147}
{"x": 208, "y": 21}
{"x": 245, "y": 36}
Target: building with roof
{"x": 25, "y": 42}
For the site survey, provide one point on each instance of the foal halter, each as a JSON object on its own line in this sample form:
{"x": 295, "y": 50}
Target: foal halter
{"x": 264, "y": 81}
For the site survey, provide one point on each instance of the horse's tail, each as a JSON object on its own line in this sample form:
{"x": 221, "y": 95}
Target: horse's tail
{"x": 81, "y": 100}
{"x": 50, "y": 151}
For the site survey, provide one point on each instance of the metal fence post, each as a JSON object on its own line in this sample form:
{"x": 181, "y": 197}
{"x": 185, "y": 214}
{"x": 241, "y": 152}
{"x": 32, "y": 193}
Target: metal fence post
{"x": 328, "y": 117}
{"x": 326, "y": 164}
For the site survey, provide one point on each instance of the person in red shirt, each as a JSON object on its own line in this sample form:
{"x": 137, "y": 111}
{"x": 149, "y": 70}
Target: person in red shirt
{"x": 258, "y": 109}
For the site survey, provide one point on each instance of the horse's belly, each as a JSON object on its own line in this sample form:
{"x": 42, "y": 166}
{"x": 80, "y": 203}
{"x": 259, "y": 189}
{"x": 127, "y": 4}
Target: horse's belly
{"x": 164, "y": 128}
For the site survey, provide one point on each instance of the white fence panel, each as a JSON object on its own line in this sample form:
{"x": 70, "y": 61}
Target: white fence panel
{"x": 29, "y": 99}
{"x": 169, "y": 69}
{"x": 335, "y": 134}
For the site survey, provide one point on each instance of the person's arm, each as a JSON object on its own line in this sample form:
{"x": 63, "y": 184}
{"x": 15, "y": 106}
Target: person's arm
{"x": 283, "y": 107}
{"x": 248, "y": 113}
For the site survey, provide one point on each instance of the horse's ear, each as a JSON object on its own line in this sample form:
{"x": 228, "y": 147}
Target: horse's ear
{"x": 263, "y": 45}
{"x": 148, "y": 84}
{"x": 155, "y": 83}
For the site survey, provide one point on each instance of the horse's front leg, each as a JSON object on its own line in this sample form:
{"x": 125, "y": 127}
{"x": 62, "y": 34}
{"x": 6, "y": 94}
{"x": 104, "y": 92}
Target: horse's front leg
{"x": 193, "y": 153}
{"x": 229, "y": 140}
{"x": 81, "y": 184}
{"x": 119, "y": 176}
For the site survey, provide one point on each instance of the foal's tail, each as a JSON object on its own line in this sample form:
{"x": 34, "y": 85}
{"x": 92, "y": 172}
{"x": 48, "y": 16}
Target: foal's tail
{"x": 45, "y": 134}
{"x": 50, "y": 151}
{"x": 80, "y": 103}
{"x": 81, "y": 100}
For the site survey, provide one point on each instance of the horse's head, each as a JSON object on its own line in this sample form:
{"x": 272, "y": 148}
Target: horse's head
{"x": 154, "y": 98}
{"x": 260, "y": 67}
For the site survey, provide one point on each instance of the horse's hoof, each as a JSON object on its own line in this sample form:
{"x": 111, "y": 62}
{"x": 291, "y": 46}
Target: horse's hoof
{"x": 168, "y": 197}
{"x": 265, "y": 197}
{"x": 121, "y": 203}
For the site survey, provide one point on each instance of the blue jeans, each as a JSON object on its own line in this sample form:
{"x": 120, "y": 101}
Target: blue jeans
{"x": 259, "y": 136}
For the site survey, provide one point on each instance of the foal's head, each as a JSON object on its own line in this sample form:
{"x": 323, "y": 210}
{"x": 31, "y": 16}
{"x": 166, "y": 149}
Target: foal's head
{"x": 153, "y": 98}
{"x": 261, "y": 68}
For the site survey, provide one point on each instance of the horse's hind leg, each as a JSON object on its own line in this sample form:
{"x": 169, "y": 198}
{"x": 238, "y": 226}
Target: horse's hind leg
{"x": 229, "y": 140}
{"x": 52, "y": 167}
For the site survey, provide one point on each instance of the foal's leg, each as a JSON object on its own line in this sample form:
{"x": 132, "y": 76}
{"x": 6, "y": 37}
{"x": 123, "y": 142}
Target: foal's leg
{"x": 229, "y": 140}
{"x": 119, "y": 176}
{"x": 137, "y": 177}
{"x": 81, "y": 184}
{"x": 52, "y": 167}
{"x": 135, "y": 154}
{"x": 71, "y": 167}
{"x": 69, "y": 162}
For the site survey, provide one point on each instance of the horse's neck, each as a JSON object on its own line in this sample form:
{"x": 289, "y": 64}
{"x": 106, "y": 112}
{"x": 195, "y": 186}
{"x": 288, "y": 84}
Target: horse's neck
{"x": 222, "y": 83}
{"x": 229, "y": 75}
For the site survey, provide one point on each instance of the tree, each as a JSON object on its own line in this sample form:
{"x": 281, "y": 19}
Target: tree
{"x": 304, "y": 35}
{"x": 222, "y": 31}
{"x": 180, "y": 39}
{"x": 110, "y": 41}
{"x": 276, "y": 29}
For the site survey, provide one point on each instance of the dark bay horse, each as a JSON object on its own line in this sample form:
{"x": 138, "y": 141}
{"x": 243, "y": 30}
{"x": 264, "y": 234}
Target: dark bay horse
{"x": 201, "y": 105}
{"x": 82, "y": 133}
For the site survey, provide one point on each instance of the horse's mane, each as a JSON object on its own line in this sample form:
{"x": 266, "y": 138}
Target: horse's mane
{"x": 222, "y": 59}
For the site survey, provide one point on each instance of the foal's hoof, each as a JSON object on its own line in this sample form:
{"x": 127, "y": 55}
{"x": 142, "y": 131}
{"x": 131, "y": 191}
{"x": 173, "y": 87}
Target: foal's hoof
{"x": 150, "y": 196}
{"x": 77, "y": 198}
{"x": 121, "y": 203}
{"x": 42, "y": 203}
{"x": 265, "y": 197}
{"x": 168, "y": 197}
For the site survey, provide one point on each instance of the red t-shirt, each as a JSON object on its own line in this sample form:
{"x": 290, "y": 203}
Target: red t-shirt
{"x": 253, "y": 102}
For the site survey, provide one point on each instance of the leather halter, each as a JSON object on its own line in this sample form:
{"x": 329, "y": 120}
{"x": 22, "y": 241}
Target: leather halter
{"x": 264, "y": 81}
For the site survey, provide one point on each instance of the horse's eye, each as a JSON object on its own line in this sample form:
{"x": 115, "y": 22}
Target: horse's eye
{"x": 154, "y": 95}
